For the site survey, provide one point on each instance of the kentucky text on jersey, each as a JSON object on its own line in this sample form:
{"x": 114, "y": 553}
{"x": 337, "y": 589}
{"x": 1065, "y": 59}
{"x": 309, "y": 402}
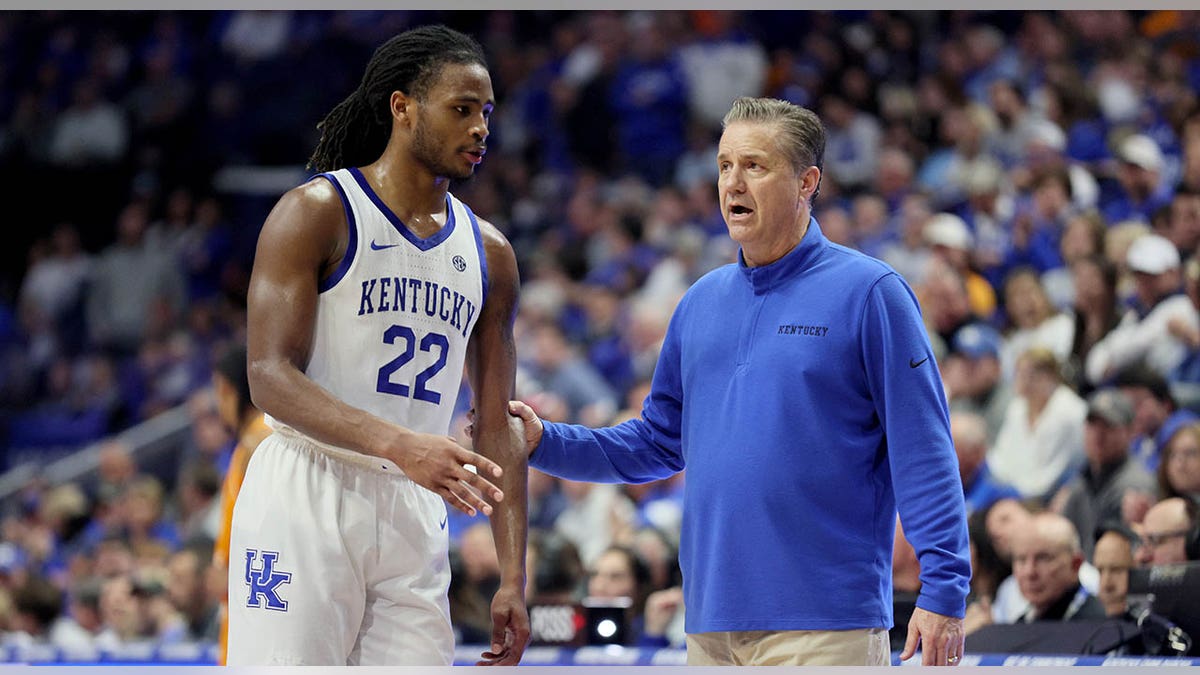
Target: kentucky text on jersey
{"x": 409, "y": 294}
{"x": 793, "y": 329}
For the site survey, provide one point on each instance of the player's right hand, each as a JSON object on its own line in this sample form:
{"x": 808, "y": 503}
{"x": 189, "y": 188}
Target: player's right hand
{"x": 437, "y": 463}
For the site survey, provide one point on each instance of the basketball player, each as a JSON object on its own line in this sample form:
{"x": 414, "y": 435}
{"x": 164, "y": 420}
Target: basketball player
{"x": 372, "y": 287}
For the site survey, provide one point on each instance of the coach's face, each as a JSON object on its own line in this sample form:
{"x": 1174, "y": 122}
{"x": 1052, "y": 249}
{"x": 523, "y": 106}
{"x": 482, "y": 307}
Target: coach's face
{"x": 763, "y": 200}
{"x": 450, "y": 124}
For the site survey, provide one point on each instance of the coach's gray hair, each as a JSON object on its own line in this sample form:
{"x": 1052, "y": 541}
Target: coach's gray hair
{"x": 801, "y": 136}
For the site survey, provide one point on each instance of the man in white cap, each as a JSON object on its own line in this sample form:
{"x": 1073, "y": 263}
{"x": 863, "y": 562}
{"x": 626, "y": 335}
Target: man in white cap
{"x": 1140, "y": 165}
{"x": 1145, "y": 332}
{"x": 951, "y": 241}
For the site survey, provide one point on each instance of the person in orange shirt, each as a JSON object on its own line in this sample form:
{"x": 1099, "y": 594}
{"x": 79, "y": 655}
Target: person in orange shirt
{"x": 237, "y": 411}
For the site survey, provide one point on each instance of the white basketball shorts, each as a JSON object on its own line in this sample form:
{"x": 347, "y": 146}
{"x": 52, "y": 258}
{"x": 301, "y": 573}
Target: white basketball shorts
{"x": 336, "y": 563}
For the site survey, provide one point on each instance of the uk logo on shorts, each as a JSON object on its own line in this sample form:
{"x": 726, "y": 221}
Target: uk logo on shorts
{"x": 264, "y": 581}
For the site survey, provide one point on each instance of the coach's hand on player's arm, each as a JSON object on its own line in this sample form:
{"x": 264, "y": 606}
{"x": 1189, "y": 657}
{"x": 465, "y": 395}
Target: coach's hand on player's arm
{"x": 520, "y": 414}
{"x": 510, "y": 627}
{"x": 529, "y": 419}
{"x": 439, "y": 464}
{"x": 941, "y": 638}
{"x": 523, "y": 420}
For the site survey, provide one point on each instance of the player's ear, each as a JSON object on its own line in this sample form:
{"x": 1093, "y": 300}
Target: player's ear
{"x": 401, "y": 107}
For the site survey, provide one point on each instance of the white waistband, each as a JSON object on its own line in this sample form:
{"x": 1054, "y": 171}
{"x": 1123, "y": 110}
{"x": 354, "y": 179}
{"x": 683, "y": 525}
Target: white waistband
{"x": 359, "y": 459}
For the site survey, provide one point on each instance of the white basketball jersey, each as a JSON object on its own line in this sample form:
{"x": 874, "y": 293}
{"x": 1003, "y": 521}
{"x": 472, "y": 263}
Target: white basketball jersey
{"x": 394, "y": 319}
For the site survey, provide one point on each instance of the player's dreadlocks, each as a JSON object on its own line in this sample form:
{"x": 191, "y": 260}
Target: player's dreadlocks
{"x": 356, "y": 131}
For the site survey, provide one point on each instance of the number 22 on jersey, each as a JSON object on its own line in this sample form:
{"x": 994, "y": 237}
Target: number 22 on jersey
{"x": 431, "y": 343}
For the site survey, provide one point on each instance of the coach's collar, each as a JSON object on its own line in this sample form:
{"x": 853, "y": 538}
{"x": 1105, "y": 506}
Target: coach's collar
{"x": 764, "y": 277}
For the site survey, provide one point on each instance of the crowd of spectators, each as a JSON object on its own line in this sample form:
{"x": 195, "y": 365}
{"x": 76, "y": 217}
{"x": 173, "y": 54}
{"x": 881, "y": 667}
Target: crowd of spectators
{"x": 1035, "y": 177}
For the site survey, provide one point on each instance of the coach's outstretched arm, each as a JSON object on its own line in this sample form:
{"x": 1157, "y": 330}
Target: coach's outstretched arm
{"x": 492, "y": 368}
{"x": 639, "y": 450}
{"x": 302, "y": 241}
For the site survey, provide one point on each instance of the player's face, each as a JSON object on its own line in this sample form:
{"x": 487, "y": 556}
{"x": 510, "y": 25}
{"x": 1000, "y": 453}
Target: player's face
{"x": 760, "y": 192}
{"x": 451, "y": 130}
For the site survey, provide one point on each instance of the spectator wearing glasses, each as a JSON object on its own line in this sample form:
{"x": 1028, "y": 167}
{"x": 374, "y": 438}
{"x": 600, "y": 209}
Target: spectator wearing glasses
{"x": 1165, "y": 531}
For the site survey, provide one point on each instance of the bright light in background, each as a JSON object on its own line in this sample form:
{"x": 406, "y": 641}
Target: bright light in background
{"x": 606, "y": 628}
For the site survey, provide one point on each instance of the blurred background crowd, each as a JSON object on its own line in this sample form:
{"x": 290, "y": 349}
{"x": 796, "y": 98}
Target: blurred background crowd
{"x": 1035, "y": 176}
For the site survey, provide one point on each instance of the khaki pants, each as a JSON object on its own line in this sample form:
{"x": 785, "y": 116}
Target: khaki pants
{"x": 865, "y": 647}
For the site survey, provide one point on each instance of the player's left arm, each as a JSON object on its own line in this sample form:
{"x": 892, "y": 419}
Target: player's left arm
{"x": 491, "y": 367}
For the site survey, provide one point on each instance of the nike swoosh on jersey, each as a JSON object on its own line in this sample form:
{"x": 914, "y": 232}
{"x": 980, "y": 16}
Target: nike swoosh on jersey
{"x": 914, "y": 364}
{"x": 380, "y": 247}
